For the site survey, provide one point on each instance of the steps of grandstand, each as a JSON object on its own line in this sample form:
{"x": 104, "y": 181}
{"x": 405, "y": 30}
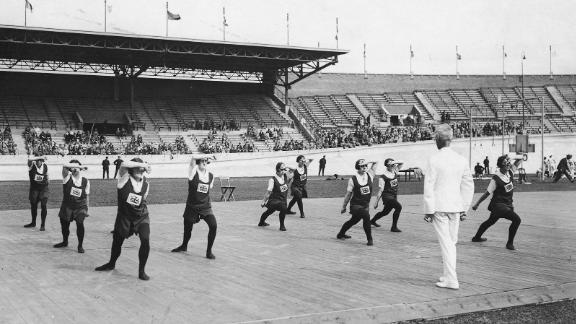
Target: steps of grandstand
{"x": 408, "y": 98}
{"x": 472, "y": 99}
{"x": 550, "y": 106}
{"x": 374, "y": 103}
{"x": 563, "y": 124}
{"x": 443, "y": 102}
{"x": 560, "y": 101}
{"x": 359, "y": 105}
{"x": 568, "y": 92}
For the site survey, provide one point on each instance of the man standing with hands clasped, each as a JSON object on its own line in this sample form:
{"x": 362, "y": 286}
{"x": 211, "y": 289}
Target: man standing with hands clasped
{"x": 448, "y": 192}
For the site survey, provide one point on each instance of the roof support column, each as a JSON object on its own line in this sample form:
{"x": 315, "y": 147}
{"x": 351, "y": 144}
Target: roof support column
{"x": 286, "y": 87}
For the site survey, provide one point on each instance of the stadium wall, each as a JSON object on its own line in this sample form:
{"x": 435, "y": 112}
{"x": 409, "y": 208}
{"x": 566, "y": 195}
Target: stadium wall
{"x": 340, "y": 161}
{"x": 321, "y": 84}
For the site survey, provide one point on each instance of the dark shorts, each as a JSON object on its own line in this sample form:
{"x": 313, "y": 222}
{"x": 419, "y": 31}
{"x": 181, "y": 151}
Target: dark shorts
{"x": 38, "y": 195}
{"x": 73, "y": 214}
{"x": 195, "y": 214}
{"x": 359, "y": 211}
{"x": 277, "y": 205}
{"x": 299, "y": 192}
{"x": 126, "y": 227}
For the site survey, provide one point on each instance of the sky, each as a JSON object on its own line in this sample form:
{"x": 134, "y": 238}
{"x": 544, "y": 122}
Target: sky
{"x": 433, "y": 27}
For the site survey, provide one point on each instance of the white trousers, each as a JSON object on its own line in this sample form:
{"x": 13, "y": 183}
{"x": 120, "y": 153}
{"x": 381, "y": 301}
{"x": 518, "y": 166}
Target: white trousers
{"x": 446, "y": 226}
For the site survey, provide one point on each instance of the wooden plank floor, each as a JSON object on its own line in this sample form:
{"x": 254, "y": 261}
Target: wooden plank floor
{"x": 302, "y": 275}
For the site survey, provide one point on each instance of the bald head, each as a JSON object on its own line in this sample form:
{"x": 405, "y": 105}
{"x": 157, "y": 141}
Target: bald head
{"x": 443, "y": 135}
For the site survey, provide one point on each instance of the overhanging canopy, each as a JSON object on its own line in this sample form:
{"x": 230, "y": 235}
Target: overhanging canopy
{"x": 91, "y": 52}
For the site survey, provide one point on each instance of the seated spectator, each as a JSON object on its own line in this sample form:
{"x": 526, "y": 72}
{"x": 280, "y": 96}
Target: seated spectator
{"x": 478, "y": 170}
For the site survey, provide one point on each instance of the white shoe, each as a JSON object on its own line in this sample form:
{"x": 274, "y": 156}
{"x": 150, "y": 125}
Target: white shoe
{"x": 449, "y": 285}
{"x": 442, "y": 279}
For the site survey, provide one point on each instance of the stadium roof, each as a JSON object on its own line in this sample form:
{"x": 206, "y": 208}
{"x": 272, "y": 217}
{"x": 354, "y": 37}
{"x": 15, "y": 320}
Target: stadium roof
{"x": 93, "y": 52}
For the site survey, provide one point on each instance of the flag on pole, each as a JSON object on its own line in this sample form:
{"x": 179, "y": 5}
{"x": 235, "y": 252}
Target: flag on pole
{"x": 523, "y": 56}
{"x": 458, "y": 56}
{"x": 411, "y": 52}
{"x": 336, "y": 37}
{"x": 28, "y": 5}
{"x": 172, "y": 16}
{"x": 505, "y": 54}
{"x": 224, "y": 21}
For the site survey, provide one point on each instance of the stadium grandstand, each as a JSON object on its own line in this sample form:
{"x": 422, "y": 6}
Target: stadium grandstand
{"x": 66, "y": 92}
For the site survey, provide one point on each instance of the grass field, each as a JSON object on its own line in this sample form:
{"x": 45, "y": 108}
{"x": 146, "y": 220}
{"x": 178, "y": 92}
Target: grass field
{"x": 173, "y": 191}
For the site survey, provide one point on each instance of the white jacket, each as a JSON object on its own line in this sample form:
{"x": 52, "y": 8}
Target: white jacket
{"x": 448, "y": 184}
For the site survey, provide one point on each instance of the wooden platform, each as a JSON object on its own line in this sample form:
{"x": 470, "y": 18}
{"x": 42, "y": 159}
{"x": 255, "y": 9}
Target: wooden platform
{"x": 304, "y": 275}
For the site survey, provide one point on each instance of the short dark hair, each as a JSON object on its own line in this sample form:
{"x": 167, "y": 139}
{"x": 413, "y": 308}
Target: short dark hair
{"x": 75, "y": 161}
{"x": 500, "y": 162}
{"x": 279, "y": 166}
{"x": 357, "y": 164}
{"x": 299, "y": 157}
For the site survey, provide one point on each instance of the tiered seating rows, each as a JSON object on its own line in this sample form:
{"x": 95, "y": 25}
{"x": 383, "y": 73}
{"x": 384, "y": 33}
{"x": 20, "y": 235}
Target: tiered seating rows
{"x": 373, "y": 102}
{"x": 445, "y": 103}
{"x": 563, "y": 124}
{"x": 569, "y": 93}
{"x": 409, "y": 98}
{"x": 539, "y": 92}
{"x": 467, "y": 98}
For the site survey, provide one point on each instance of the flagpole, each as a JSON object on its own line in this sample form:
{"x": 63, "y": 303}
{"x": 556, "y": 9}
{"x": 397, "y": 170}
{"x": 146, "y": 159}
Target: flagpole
{"x": 365, "y": 72}
{"x": 287, "y": 28}
{"x": 523, "y": 102}
{"x": 457, "y": 72}
{"x": 503, "y": 63}
{"x": 25, "y": 13}
{"x": 551, "y": 75}
{"x": 166, "y": 19}
{"x": 105, "y": 15}
{"x": 411, "y": 72}
{"x": 336, "y": 32}
{"x": 224, "y": 23}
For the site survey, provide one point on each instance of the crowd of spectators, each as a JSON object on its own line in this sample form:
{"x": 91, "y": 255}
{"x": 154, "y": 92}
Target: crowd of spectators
{"x": 136, "y": 145}
{"x": 291, "y": 145}
{"x": 462, "y": 129}
{"x": 267, "y": 133}
{"x": 87, "y": 143}
{"x": 7, "y": 145}
{"x": 38, "y": 141}
{"x": 212, "y": 144}
{"x": 210, "y": 124}
{"x": 370, "y": 135}
{"x": 121, "y": 132}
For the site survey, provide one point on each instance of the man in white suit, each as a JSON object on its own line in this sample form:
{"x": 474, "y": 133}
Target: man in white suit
{"x": 448, "y": 192}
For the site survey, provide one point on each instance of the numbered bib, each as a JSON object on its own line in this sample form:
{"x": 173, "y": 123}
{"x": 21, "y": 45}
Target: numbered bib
{"x": 394, "y": 183}
{"x": 38, "y": 178}
{"x": 76, "y": 192}
{"x": 203, "y": 188}
{"x": 134, "y": 199}
{"x": 509, "y": 187}
{"x": 365, "y": 190}
{"x": 283, "y": 188}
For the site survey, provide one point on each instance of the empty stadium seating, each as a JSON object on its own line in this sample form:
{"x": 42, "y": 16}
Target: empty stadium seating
{"x": 467, "y": 98}
{"x": 540, "y": 92}
{"x": 563, "y": 124}
{"x": 444, "y": 102}
{"x": 408, "y": 98}
{"x": 374, "y": 103}
{"x": 569, "y": 93}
